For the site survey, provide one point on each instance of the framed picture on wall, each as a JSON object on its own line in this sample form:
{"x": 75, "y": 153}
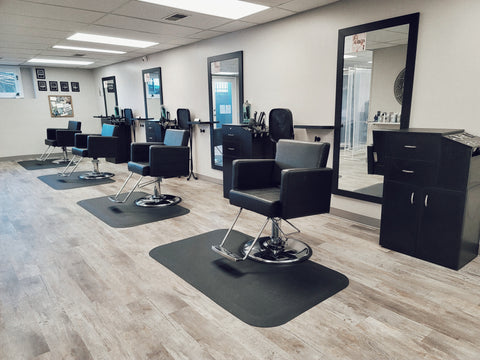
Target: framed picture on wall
{"x": 64, "y": 86}
{"x": 53, "y": 85}
{"x": 75, "y": 86}
{"x": 40, "y": 73}
{"x": 42, "y": 85}
{"x": 60, "y": 106}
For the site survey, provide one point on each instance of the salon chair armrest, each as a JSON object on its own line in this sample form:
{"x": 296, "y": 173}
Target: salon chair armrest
{"x": 81, "y": 140}
{"x": 52, "y": 133}
{"x": 102, "y": 146}
{"x": 139, "y": 151}
{"x": 169, "y": 161}
{"x": 305, "y": 192}
{"x": 66, "y": 137}
{"x": 252, "y": 173}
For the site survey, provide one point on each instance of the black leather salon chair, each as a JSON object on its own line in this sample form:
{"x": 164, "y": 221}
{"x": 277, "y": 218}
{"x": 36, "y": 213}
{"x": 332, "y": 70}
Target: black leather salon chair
{"x": 280, "y": 124}
{"x": 376, "y": 154}
{"x": 159, "y": 160}
{"x": 294, "y": 184}
{"x": 104, "y": 145}
{"x": 63, "y": 138}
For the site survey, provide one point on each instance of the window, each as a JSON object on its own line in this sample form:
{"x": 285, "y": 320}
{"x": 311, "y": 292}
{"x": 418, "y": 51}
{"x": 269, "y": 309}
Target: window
{"x": 10, "y": 82}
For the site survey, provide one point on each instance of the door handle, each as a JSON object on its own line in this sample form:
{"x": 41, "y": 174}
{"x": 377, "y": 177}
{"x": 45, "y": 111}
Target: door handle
{"x": 410, "y": 146}
{"x": 426, "y": 200}
{"x": 412, "y": 198}
{"x": 408, "y": 171}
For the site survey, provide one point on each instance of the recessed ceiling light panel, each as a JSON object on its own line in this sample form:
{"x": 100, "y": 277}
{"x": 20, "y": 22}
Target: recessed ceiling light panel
{"x": 88, "y": 49}
{"x": 58, "y": 61}
{"x": 230, "y": 9}
{"x": 111, "y": 40}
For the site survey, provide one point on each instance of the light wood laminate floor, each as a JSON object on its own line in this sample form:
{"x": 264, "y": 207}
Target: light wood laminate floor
{"x": 71, "y": 287}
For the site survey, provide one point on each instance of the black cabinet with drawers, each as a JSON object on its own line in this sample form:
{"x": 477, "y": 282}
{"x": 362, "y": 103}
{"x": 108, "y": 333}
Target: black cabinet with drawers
{"x": 431, "y": 195}
{"x": 240, "y": 142}
{"x": 154, "y": 131}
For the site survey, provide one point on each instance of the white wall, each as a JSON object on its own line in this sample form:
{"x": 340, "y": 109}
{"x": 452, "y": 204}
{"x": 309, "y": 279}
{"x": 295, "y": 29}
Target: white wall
{"x": 24, "y": 121}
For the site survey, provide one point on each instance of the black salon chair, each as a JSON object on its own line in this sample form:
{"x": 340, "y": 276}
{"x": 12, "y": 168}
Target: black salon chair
{"x": 280, "y": 124}
{"x": 159, "y": 160}
{"x": 63, "y": 138}
{"x": 376, "y": 154}
{"x": 296, "y": 183}
{"x": 104, "y": 145}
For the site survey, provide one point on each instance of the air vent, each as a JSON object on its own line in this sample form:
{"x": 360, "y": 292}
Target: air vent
{"x": 175, "y": 17}
{"x": 78, "y": 55}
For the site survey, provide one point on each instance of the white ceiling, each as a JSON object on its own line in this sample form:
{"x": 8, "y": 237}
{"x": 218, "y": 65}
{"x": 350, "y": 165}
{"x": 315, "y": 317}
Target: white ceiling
{"x": 29, "y": 28}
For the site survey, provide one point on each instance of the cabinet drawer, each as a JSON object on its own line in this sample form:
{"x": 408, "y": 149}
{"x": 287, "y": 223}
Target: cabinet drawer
{"x": 232, "y": 148}
{"x": 414, "y": 172}
{"x": 413, "y": 146}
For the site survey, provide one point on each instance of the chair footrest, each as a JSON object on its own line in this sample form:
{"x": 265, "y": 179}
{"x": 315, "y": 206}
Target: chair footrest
{"x": 227, "y": 253}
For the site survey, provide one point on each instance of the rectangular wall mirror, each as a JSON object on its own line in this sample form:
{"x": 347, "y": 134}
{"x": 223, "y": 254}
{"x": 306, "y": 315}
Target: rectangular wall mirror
{"x": 110, "y": 96}
{"x": 375, "y": 66}
{"x": 153, "y": 92}
{"x": 225, "y": 90}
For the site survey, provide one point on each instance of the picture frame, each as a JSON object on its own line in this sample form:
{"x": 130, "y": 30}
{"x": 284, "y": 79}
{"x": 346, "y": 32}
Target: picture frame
{"x": 42, "y": 85}
{"x": 75, "y": 86}
{"x": 64, "y": 86}
{"x": 53, "y": 85}
{"x": 60, "y": 106}
{"x": 40, "y": 73}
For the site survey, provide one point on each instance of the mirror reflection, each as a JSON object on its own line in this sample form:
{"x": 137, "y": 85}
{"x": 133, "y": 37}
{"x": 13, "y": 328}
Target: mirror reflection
{"x": 372, "y": 81}
{"x": 152, "y": 92}
{"x": 226, "y": 98}
{"x": 110, "y": 96}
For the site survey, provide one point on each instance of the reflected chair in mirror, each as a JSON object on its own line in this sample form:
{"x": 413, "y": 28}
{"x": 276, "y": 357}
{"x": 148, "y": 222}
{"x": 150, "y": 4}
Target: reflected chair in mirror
{"x": 159, "y": 160}
{"x": 376, "y": 154}
{"x": 280, "y": 124}
{"x": 184, "y": 122}
{"x": 294, "y": 184}
{"x": 61, "y": 137}
{"x": 95, "y": 146}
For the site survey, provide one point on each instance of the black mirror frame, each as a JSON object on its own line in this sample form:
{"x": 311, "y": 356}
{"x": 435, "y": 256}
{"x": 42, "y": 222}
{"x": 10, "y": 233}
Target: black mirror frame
{"x": 412, "y": 20}
{"x": 105, "y": 96}
{"x": 146, "y": 71}
{"x": 233, "y": 55}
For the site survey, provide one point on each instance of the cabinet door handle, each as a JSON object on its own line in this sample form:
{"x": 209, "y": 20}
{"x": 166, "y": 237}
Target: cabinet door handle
{"x": 231, "y": 149}
{"x": 412, "y": 197}
{"x": 410, "y": 146}
{"x": 426, "y": 200}
{"x": 230, "y": 134}
{"x": 408, "y": 171}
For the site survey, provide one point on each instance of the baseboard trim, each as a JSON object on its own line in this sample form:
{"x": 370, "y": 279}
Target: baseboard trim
{"x": 367, "y": 220}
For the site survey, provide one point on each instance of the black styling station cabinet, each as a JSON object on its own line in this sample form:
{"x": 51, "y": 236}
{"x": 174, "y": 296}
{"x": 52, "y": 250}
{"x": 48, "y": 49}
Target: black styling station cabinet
{"x": 242, "y": 142}
{"x": 431, "y": 195}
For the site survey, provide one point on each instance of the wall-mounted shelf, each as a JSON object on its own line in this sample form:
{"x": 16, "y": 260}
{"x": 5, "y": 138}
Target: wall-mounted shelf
{"x": 315, "y": 127}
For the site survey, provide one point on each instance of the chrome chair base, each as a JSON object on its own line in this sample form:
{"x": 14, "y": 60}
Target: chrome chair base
{"x": 277, "y": 252}
{"x": 158, "y": 201}
{"x": 96, "y": 175}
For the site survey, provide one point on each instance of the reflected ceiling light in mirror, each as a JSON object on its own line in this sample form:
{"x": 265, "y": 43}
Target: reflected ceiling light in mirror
{"x": 230, "y": 9}
{"x": 58, "y": 61}
{"x": 349, "y": 56}
{"x": 88, "y": 49}
{"x": 101, "y": 39}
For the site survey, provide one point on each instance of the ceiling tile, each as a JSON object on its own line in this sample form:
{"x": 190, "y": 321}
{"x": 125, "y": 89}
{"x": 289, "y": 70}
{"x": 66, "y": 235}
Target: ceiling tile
{"x": 96, "y": 5}
{"x": 302, "y": 5}
{"x": 267, "y": 15}
{"x": 234, "y": 26}
{"x": 206, "y": 34}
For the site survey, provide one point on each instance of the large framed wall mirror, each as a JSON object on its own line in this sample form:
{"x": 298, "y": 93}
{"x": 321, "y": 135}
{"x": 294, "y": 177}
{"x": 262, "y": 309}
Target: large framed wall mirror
{"x": 375, "y": 68}
{"x": 153, "y": 92}
{"x": 110, "y": 96}
{"x": 225, "y": 91}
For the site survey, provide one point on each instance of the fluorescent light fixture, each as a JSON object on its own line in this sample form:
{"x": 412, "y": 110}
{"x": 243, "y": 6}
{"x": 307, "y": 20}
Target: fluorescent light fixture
{"x": 88, "y": 49}
{"x": 111, "y": 40}
{"x": 231, "y": 9}
{"x": 349, "y": 56}
{"x": 64, "y": 62}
